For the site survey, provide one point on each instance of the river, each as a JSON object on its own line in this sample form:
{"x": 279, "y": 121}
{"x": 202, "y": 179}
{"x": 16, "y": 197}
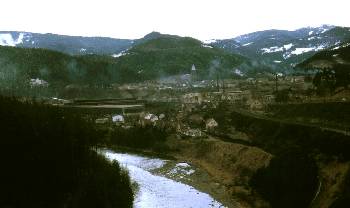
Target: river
{"x": 157, "y": 191}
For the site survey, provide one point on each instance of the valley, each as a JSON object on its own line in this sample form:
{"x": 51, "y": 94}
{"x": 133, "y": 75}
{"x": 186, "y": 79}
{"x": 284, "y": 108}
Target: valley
{"x": 257, "y": 121}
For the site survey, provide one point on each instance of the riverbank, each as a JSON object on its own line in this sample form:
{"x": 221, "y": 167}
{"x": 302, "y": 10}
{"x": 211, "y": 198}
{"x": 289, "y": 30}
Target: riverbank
{"x": 157, "y": 188}
{"x": 221, "y": 169}
{"x": 184, "y": 170}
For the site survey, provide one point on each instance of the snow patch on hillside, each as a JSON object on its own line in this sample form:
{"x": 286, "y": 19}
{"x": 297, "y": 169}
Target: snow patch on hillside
{"x": 273, "y": 49}
{"x": 341, "y": 46}
{"x": 288, "y": 46}
{"x": 206, "y": 46}
{"x": 324, "y": 30}
{"x": 123, "y": 53}
{"x": 6, "y": 39}
{"x": 299, "y": 51}
{"x": 247, "y": 44}
{"x": 209, "y": 41}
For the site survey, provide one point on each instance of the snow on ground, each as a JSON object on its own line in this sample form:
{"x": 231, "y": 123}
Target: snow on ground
{"x": 183, "y": 165}
{"x": 123, "y": 53}
{"x": 299, "y": 51}
{"x": 276, "y": 61}
{"x": 160, "y": 192}
{"x": 181, "y": 170}
{"x": 286, "y": 55}
{"x": 6, "y": 39}
{"x": 324, "y": 30}
{"x": 247, "y": 44}
{"x": 341, "y": 46}
{"x": 288, "y": 46}
{"x": 311, "y": 38}
{"x": 273, "y": 49}
{"x": 209, "y": 41}
{"x": 20, "y": 39}
{"x": 311, "y": 32}
{"x": 206, "y": 46}
{"x": 320, "y": 47}
{"x": 83, "y": 50}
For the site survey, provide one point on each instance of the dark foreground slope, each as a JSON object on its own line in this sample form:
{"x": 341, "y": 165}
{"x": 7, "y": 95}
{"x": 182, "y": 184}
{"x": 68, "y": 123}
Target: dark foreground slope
{"x": 310, "y": 167}
{"x": 47, "y": 160}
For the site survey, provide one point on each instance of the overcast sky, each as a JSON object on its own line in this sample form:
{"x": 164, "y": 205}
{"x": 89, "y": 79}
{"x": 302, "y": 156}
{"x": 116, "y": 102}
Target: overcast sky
{"x": 202, "y": 19}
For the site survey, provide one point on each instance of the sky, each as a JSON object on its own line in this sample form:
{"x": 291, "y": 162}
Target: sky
{"x": 201, "y": 19}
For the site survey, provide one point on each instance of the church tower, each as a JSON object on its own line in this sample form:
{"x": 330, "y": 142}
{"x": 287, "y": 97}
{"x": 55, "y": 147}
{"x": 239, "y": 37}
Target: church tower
{"x": 194, "y": 73}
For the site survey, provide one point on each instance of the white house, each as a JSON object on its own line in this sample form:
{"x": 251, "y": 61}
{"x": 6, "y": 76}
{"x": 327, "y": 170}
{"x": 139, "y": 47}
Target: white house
{"x": 118, "y": 119}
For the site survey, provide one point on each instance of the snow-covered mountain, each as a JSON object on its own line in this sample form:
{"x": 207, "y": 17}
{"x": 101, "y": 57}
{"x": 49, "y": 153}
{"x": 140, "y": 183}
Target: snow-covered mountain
{"x": 74, "y": 45}
{"x": 282, "y": 49}
{"x": 277, "y": 50}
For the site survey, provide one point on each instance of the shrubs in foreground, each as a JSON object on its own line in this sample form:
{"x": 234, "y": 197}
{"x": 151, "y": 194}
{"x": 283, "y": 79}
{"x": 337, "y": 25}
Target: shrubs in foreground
{"x": 47, "y": 160}
{"x": 289, "y": 181}
{"x": 150, "y": 138}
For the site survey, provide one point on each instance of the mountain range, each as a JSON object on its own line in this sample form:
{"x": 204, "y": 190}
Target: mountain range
{"x": 281, "y": 49}
{"x": 157, "y": 55}
{"x": 73, "y": 45}
{"x": 153, "y": 57}
{"x": 277, "y": 49}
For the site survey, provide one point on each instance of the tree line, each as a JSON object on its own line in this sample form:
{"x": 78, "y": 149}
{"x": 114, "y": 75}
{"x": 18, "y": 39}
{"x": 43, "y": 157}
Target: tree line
{"x": 48, "y": 159}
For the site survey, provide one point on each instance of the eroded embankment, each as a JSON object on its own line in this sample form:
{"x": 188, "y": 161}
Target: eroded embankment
{"x": 230, "y": 167}
{"x": 297, "y": 148}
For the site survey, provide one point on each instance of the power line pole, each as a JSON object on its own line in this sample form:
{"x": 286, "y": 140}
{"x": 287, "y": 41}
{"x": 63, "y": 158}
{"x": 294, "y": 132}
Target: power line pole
{"x": 276, "y": 82}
